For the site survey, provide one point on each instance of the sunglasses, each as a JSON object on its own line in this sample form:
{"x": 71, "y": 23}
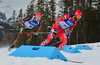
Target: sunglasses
{"x": 79, "y": 16}
{"x": 38, "y": 18}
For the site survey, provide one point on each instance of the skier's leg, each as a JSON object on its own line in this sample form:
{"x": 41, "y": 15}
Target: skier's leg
{"x": 18, "y": 38}
{"x": 63, "y": 38}
{"x": 29, "y": 39}
{"x": 16, "y": 41}
{"x": 49, "y": 38}
{"x": 51, "y": 34}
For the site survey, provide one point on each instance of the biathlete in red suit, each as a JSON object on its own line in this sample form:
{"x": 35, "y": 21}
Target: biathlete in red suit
{"x": 58, "y": 28}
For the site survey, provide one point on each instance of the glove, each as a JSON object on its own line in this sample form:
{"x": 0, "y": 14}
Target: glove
{"x": 36, "y": 34}
{"x": 55, "y": 31}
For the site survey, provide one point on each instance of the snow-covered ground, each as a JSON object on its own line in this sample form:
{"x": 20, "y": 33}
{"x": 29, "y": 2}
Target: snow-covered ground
{"x": 89, "y": 57}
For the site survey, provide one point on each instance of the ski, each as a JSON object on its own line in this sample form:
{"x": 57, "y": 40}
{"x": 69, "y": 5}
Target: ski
{"x": 75, "y": 61}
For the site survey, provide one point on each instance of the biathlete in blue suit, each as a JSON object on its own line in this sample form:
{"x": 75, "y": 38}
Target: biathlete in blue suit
{"x": 28, "y": 24}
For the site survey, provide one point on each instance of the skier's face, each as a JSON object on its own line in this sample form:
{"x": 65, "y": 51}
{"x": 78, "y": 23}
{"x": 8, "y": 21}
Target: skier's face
{"x": 37, "y": 19}
{"x": 77, "y": 17}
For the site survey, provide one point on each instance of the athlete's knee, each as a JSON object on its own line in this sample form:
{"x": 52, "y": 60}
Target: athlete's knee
{"x": 64, "y": 41}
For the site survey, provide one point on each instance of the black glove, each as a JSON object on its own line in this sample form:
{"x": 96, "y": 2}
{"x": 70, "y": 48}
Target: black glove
{"x": 11, "y": 47}
{"x": 55, "y": 31}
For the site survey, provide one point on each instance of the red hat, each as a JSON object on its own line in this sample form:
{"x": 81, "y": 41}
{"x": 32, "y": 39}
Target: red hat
{"x": 38, "y": 15}
{"x": 78, "y": 12}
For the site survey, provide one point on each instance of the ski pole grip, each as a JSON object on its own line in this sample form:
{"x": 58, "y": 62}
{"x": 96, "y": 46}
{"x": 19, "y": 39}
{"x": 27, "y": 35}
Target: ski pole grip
{"x": 35, "y": 48}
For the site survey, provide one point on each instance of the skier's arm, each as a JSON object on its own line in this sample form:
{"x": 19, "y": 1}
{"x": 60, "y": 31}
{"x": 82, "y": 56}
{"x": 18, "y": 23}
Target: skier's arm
{"x": 27, "y": 19}
{"x": 36, "y": 34}
{"x": 39, "y": 26}
{"x": 71, "y": 29}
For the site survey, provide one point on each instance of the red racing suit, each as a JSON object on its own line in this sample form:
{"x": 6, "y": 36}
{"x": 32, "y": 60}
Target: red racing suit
{"x": 60, "y": 25}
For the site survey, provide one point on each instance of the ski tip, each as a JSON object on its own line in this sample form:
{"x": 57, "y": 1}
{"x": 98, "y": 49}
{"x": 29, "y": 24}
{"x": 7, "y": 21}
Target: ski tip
{"x": 75, "y": 61}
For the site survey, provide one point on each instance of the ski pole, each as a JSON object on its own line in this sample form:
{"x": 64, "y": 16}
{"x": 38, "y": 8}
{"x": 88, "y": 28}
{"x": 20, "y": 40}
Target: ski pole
{"x": 56, "y": 43}
{"x": 14, "y": 29}
{"x": 34, "y": 32}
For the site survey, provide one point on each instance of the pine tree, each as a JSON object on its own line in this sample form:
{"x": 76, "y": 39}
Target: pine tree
{"x": 98, "y": 21}
{"x": 52, "y": 11}
{"x": 20, "y": 16}
{"x": 60, "y": 8}
{"x": 13, "y": 18}
{"x": 29, "y": 10}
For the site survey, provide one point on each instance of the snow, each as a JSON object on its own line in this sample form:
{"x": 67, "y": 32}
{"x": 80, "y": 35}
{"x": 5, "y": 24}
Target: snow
{"x": 89, "y": 57}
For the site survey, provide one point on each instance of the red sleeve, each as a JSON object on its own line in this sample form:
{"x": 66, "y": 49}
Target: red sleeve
{"x": 61, "y": 19}
{"x": 27, "y": 19}
{"x": 66, "y": 16}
